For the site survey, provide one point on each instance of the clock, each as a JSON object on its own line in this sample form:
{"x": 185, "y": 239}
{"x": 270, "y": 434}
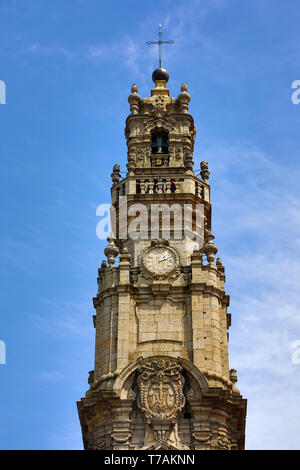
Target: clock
{"x": 160, "y": 261}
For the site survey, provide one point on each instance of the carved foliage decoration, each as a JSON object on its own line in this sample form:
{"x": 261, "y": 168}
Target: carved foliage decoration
{"x": 160, "y": 382}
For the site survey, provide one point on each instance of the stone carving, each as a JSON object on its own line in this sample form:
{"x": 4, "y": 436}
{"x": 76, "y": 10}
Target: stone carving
{"x": 103, "y": 264}
{"x": 121, "y": 437}
{"x": 111, "y": 251}
{"x": 220, "y": 265}
{"x": 100, "y": 444}
{"x": 224, "y": 443}
{"x": 233, "y": 376}
{"x": 160, "y": 104}
{"x": 134, "y": 100}
{"x": 204, "y": 171}
{"x": 176, "y": 152}
{"x": 138, "y": 155}
{"x": 183, "y": 99}
{"x": 160, "y": 383}
{"x": 131, "y": 164}
{"x": 161, "y": 397}
{"x": 91, "y": 377}
{"x": 209, "y": 248}
{"x": 160, "y": 119}
{"x": 115, "y": 176}
{"x": 203, "y": 438}
{"x": 188, "y": 159}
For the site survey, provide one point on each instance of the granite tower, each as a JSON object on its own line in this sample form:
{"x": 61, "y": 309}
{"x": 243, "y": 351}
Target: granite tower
{"x": 161, "y": 378}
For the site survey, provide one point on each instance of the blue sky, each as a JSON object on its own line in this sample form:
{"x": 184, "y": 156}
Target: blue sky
{"x": 68, "y": 68}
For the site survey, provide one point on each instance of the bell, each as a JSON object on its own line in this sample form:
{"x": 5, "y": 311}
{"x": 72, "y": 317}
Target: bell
{"x": 160, "y": 144}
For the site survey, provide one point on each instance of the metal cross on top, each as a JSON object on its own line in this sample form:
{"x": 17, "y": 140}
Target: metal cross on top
{"x": 160, "y": 43}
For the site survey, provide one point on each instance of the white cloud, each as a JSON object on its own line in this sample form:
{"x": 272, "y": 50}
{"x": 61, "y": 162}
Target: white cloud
{"x": 63, "y": 319}
{"x": 51, "y": 376}
{"x": 256, "y": 222}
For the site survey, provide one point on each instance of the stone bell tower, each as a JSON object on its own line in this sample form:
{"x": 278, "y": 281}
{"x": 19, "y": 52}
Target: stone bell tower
{"x": 161, "y": 378}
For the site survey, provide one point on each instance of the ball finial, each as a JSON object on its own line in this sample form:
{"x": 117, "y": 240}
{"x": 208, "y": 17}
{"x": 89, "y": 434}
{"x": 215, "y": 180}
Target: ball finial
{"x": 160, "y": 74}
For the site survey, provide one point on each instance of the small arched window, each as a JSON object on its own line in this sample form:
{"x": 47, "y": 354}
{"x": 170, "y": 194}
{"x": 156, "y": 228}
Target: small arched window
{"x": 159, "y": 141}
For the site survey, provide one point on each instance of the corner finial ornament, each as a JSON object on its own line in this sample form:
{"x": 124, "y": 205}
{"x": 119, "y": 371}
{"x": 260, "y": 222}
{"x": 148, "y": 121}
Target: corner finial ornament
{"x": 111, "y": 251}
{"x": 183, "y": 99}
{"x": 204, "y": 171}
{"x": 115, "y": 176}
{"x": 209, "y": 248}
{"x": 134, "y": 100}
{"x": 233, "y": 376}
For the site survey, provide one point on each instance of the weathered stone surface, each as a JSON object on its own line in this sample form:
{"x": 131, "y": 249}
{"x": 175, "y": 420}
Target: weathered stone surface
{"x": 161, "y": 378}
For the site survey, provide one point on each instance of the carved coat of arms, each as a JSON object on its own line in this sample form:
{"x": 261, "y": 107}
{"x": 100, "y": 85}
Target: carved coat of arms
{"x": 161, "y": 389}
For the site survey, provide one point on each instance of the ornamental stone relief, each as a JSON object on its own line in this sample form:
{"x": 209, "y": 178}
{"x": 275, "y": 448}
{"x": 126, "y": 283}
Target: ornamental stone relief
{"x": 139, "y": 154}
{"x": 160, "y": 119}
{"x": 176, "y": 152}
{"x": 161, "y": 399}
{"x": 160, "y": 104}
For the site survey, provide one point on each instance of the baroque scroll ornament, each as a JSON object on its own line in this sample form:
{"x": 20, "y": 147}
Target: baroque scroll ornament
{"x": 159, "y": 119}
{"x": 160, "y": 384}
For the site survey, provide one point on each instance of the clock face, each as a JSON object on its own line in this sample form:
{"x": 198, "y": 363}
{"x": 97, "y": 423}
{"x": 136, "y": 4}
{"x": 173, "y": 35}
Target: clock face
{"x": 160, "y": 261}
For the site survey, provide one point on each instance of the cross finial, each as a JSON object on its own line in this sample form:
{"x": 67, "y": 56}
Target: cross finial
{"x": 160, "y": 43}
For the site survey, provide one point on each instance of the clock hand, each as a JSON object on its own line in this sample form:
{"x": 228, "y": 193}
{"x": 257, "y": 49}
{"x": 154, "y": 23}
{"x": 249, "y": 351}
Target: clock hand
{"x": 164, "y": 257}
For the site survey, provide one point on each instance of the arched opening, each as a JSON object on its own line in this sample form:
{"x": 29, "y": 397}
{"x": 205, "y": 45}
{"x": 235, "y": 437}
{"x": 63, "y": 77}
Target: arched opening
{"x": 159, "y": 141}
